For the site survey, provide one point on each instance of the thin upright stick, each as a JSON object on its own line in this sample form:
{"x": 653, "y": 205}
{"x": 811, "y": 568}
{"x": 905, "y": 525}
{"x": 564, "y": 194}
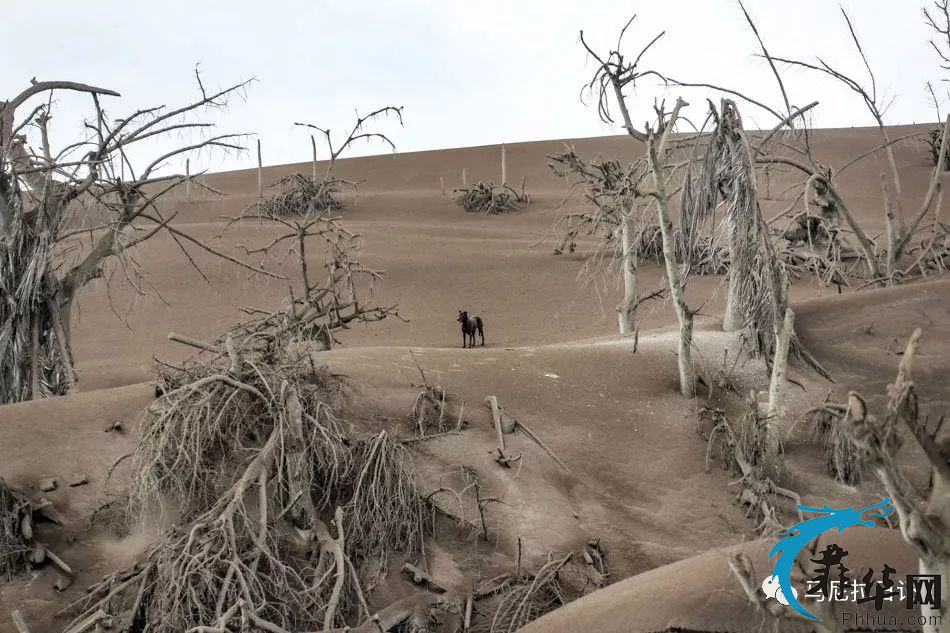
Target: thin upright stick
{"x": 504, "y": 167}
{"x": 313, "y": 144}
{"x": 464, "y": 178}
{"x": 188, "y": 179}
{"x": 260, "y": 171}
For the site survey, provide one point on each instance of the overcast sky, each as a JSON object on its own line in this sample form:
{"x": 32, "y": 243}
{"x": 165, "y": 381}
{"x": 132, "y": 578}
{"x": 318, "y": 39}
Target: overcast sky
{"x": 467, "y": 73}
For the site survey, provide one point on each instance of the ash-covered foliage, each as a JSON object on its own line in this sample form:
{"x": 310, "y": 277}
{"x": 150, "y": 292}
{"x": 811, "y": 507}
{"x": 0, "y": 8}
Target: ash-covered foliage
{"x": 300, "y": 196}
{"x": 14, "y": 545}
{"x": 933, "y": 140}
{"x": 490, "y": 198}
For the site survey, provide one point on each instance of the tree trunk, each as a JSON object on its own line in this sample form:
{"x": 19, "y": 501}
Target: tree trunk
{"x": 685, "y": 357}
{"x": 783, "y": 337}
{"x": 59, "y": 315}
{"x": 936, "y": 617}
{"x": 938, "y": 508}
{"x": 35, "y": 360}
{"x": 627, "y": 310}
{"x": 890, "y": 231}
{"x": 733, "y": 320}
{"x": 683, "y": 314}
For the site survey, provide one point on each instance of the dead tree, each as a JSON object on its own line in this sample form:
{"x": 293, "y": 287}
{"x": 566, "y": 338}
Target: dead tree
{"x": 906, "y": 250}
{"x": 316, "y": 307}
{"x": 661, "y": 195}
{"x": 885, "y": 263}
{"x": 75, "y": 213}
{"x": 315, "y": 310}
{"x": 328, "y": 187}
{"x": 723, "y": 171}
{"x": 287, "y": 515}
{"x": 923, "y": 520}
{"x": 613, "y": 216}
{"x": 744, "y": 449}
{"x": 938, "y": 19}
{"x": 613, "y": 75}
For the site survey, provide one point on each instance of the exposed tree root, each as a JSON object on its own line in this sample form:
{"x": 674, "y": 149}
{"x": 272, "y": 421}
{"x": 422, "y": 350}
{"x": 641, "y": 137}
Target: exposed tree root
{"x": 210, "y": 415}
{"x": 842, "y": 456}
{"x": 558, "y": 582}
{"x": 385, "y": 504}
{"x": 263, "y": 474}
{"x": 743, "y": 450}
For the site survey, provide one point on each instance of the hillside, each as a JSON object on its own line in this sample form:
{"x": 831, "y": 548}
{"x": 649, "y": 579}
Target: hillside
{"x": 636, "y": 477}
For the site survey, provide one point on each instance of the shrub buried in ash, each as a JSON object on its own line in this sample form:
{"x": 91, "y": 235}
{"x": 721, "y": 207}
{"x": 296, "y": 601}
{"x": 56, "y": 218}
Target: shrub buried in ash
{"x": 489, "y": 198}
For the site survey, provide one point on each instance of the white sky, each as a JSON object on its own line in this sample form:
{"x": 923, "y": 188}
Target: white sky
{"x": 467, "y": 72}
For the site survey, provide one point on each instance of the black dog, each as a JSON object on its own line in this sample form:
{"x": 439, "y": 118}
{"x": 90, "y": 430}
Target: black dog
{"x": 470, "y": 324}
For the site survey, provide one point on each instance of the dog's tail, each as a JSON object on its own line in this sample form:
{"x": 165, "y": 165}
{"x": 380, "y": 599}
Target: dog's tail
{"x": 481, "y": 327}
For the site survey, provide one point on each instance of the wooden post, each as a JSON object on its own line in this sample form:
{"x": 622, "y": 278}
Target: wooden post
{"x": 260, "y": 171}
{"x": 504, "y": 167}
{"x": 441, "y": 185}
{"x": 464, "y": 178}
{"x": 188, "y": 179}
{"x": 313, "y": 144}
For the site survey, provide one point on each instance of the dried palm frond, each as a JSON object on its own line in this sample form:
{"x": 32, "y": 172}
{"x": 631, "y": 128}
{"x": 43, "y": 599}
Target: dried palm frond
{"x": 758, "y": 280}
{"x": 14, "y": 544}
{"x": 27, "y": 292}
